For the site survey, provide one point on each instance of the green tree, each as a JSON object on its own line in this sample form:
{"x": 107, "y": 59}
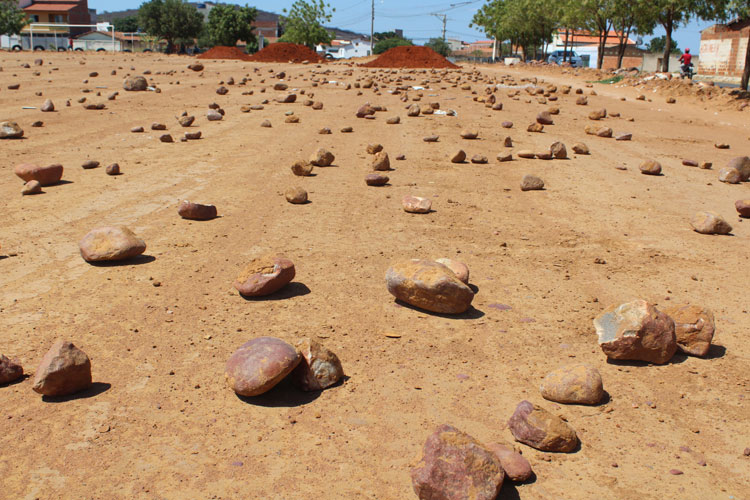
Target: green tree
{"x": 389, "y": 43}
{"x": 229, "y": 23}
{"x": 127, "y": 24}
{"x": 304, "y": 23}
{"x": 382, "y": 35}
{"x": 631, "y": 16}
{"x": 657, "y": 44}
{"x": 171, "y": 20}
{"x": 440, "y": 46}
{"x": 12, "y": 18}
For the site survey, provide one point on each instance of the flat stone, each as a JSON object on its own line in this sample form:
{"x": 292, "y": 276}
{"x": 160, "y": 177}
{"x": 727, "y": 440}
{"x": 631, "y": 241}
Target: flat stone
{"x": 9, "y": 370}
{"x": 544, "y": 118}
{"x": 89, "y": 164}
{"x": 533, "y": 425}
{"x": 503, "y": 157}
{"x": 428, "y": 285}
{"x": 64, "y": 370}
{"x": 507, "y": 124}
{"x": 479, "y": 159}
{"x": 259, "y": 364}
{"x": 213, "y": 115}
{"x": 638, "y": 331}
{"x": 525, "y": 153}
{"x": 186, "y": 121}
{"x": 264, "y": 275}
{"x": 535, "y": 127}
{"x": 318, "y": 369}
{"x": 469, "y": 134}
{"x": 110, "y": 243}
{"x": 376, "y": 179}
{"x": 196, "y": 211}
{"x": 573, "y": 384}
{"x": 431, "y": 138}
{"x": 694, "y": 328}
{"x": 707, "y": 222}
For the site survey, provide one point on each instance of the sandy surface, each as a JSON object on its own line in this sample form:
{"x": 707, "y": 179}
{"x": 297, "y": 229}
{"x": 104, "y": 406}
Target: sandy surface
{"x": 161, "y": 423}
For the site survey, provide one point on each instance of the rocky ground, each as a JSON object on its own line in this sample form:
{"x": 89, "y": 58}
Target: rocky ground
{"x": 160, "y": 420}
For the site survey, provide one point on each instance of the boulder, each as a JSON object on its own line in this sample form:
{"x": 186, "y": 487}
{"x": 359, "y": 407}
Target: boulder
{"x": 374, "y": 148}
{"x": 135, "y": 84}
{"x": 598, "y": 114}
{"x": 322, "y": 158}
{"x": 214, "y": 116}
{"x": 413, "y": 110}
{"x": 534, "y": 426}
{"x": 743, "y": 208}
{"x": 455, "y": 466}
{"x": 693, "y": 327}
{"x": 186, "y": 121}
{"x": 318, "y": 369}
{"x": 460, "y": 269}
{"x": 516, "y": 467}
{"x": 531, "y": 183}
{"x": 259, "y": 364}
{"x": 296, "y": 195}
{"x": 89, "y": 164}
{"x": 503, "y": 157}
{"x": 196, "y": 67}
{"x": 10, "y": 130}
{"x": 428, "y": 285}
{"x": 706, "y": 222}
{"x": 381, "y": 162}
{"x": 302, "y": 168}
{"x": 742, "y": 165}
{"x": 730, "y": 175}
{"x": 637, "y": 331}
{"x": 9, "y": 370}
{"x": 479, "y": 159}
{"x": 110, "y": 243}
{"x": 526, "y": 153}
{"x": 264, "y": 275}
{"x": 650, "y": 167}
{"x": 459, "y": 156}
{"x": 64, "y": 370}
{"x": 535, "y": 127}
{"x": 393, "y": 120}
{"x": 196, "y": 211}
{"x": 559, "y": 150}
{"x": 365, "y": 110}
{"x": 416, "y": 204}
{"x": 376, "y": 179}
{"x": 573, "y": 384}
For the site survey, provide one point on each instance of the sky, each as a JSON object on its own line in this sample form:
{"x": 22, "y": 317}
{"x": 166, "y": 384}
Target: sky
{"x": 414, "y": 17}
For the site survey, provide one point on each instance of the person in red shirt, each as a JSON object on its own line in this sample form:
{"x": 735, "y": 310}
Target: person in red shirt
{"x": 685, "y": 58}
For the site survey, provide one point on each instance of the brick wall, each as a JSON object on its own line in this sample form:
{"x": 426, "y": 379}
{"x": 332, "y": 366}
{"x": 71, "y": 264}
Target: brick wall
{"x": 610, "y": 62}
{"x": 723, "y": 49}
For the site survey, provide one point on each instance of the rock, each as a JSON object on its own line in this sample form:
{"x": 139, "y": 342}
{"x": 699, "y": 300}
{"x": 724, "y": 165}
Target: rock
{"x": 136, "y": 130}
{"x": 413, "y": 110}
{"x": 706, "y": 222}
{"x": 431, "y": 138}
{"x": 458, "y": 268}
{"x": 573, "y": 384}
{"x": 113, "y": 169}
{"x": 291, "y": 119}
{"x": 742, "y": 165}
{"x": 186, "y": 121}
{"x": 64, "y": 370}
{"x": 318, "y": 369}
{"x": 582, "y": 101}
{"x": 224, "y": 91}
{"x": 650, "y": 167}
{"x": 322, "y": 158}
{"x": 365, "y": 110}
{"x": 636, "y": 331}
{"x": 603, "y": 132}
{"x": 31, "y": 187}
{"x": 196, "y": 67}
{"x": 347, "y": 130}
{"x": 166, "y": 138}
{"x": 581, "y": 149}
{"x": 302, "y": 168}
{"x": 503, "y": 157}
{"x": 288, "y": 99}
{"x": 544, "y": 118}
{"x": 280, "y": 86}
{"x": 10, "y": 130}
{"x": 416, "y": 204}
{"x": 381, "y": 162}
{"x": 89, "y": 164}
{"x": 317, "y": 105}
{"x": 110, "y": 243}
{"x": 531, "y": 183}
{"x": 623, "y": 137}
{"x": 428, "y": 285}
{"x": 158, "y": 126}
{"x": 264, "y": 275}
{"x": 135, "y": 83}
{"x": 9, "y": 370}
{"x": 479, "y": 159}
{"x": 376, "y": 180}
{"x": 694, "y": 328}
{"x": 535, "y": 127}
{"x": 324, "y": 131}
{"x": 558, "y": 150}
{"x": 469, "y": 134}
{"x": 394, "y": 120}
{"x": 743, "y": 208}
{"x": 48, "y": 106}
{"x": 507, "y": 124}
{"x": 544, "y": 155}
{"x": 533, "y": 425}
{"x": 37, "y": 124}
{"x": 94, "y": 106}
{"x": 196, "y": 211}
{"x": 265, "y": 124}
{"x": 525, "y": 153}
{"x": 721, "y": 145}
{"x": 259, "y": 364}
{"x": 455, "y": 466}
{"x": 214, "y": 116}
{"x": 516, "y": 467}
{"x": 598, "y": 114}
{"x": 730, "y": 175}
{"x": 508, "y": 142}
{"x": 193, "y": 136}
{"x": 374, "y": 148}
{"x": 296, "y": 195}
{"x": 46, "y": 176}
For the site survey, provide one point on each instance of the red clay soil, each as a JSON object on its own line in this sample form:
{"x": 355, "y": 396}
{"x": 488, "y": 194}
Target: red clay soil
{"x": 223, "y": 52}
{"x": 286, "y": 52}
{"x": 410, "y": 56}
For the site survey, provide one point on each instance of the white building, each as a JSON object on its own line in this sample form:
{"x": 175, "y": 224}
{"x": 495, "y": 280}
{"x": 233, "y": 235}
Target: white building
{"x": 345, "y": 49}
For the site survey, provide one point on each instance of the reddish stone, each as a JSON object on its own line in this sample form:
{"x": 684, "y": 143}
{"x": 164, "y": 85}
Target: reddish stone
{"x": 259, "y": 364}
{"x": 110, "y": 243}
{"x": 376, "y": 180}
{"x": 516, "y": 467}
{"x": 536, "y": 427}
{"x": 46, "y": 176}
{"x": 264, "y": 275}
{"x": 9, "y": 370}
{"x": 196, "y": 211}
{"x": 64, "y": 370}
{"x": 743, "y": 207}
{"x": 318, "y": 369}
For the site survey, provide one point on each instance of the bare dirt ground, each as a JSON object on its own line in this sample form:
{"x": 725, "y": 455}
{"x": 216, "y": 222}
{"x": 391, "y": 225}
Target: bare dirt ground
{"x": 161, "y": 422}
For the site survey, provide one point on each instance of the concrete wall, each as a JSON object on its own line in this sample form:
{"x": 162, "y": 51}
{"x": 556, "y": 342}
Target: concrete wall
{"x": 652, "y": 62}
{"x": 723, "y": 49}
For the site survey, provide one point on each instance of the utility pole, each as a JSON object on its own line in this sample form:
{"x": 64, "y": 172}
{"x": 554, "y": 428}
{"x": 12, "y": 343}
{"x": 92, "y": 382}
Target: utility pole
{"x": 372, "y": 28}
{"x": 444, "y": 17}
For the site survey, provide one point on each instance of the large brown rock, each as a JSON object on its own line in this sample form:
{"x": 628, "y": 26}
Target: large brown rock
{"x": 573, "y": 384}
{"x": 302, "y": 168}
{"x": 196, "y": 211}
{"x": 694, "y": 328}
{"x": 650, "y": 167}
{"x": 376, "y": 179}
{"x": 64, "y": 370}
{"x": 416, "y": 204}
{"x": 9, "y": 370}
{"x": 455, "y": 466}
{"x": 296, "y": 195}
{"x": 516, "y": 467}
{"x": 707, "y": 222}
{"x": 381, "y": 162}
{"x": 743, "y": 207}
{"x": 10, "y": 130}
{"x": 319, "y": 367}
{"x": 544, "y": 118}
{"x": 322, "y": 158}
{"x": 264, "y": 275}
{"x": 428, "y": 285}
{"x": 135, "y": 83}
{"x": 459, "y": 156}
{"x": 558, "y": 150}
{"x": 742, "y": 165}
{"x": 636, "y": 330}
{"x": 259, "y": 364}
{"x": 531, "y": 183}
{"x": 730, "y": 175}
{"x": 533, "y": 425}
{"x": 47, "y": 176}
{"x": 110, "y": 243}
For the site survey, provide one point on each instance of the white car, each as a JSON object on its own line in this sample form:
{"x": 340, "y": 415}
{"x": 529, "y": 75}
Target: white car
{"x": 556, "y": 57}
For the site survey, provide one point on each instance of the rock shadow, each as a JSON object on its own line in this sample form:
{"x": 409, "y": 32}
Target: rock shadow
{"x": 95, "y": 389}
{"x": 716, "y": 352}
{"x": 283, "y": 395}
{"x": 676, "y": 359}
{"x": 16, "y": 381}
{"x": 134, "y": 261}
{"x": 471, "y": 313}
{"x": 293, "y": 289}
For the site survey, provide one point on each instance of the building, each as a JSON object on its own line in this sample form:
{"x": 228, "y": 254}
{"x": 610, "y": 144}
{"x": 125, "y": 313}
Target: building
{"x": 586, "y": 45}
{"x": 49, "y": 37}
{"x": 103, "y": 41}
{"x": 723, "y": 48}
{"x": 345, "y": 49}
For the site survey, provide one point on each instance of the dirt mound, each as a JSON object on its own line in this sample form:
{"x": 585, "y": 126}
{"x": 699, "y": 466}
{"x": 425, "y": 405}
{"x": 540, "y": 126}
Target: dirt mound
{"x": 410, "y": 56}
{"x": 286, "y": 52}
{"x": 223, "y": 52}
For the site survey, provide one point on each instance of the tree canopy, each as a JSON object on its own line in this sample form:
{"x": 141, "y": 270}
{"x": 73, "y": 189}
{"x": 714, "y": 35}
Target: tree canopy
{"x": 657, "y": 44}
{"x": 304, "y": 23}
{"x": 12, "y": 18}
{"x": 170, "y": 20}
{"x": 229, "y": 23}
{"x": 127, "y": 24}
{"x": 389, "y": 43}
{"x": 440, "y": 46}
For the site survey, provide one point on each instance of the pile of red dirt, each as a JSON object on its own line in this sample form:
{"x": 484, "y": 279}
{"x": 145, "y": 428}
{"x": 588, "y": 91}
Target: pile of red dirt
{"x": 410, "y": 56}
{"x": 286, "y": 52}
{"x": 222, "y": 52}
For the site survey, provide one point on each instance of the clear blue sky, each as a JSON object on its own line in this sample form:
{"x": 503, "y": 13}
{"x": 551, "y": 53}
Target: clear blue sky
{"x": 413, "y": 16}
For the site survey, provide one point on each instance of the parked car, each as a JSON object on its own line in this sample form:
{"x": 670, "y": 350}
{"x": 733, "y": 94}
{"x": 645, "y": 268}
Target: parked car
{"x": 557, "y": 56}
